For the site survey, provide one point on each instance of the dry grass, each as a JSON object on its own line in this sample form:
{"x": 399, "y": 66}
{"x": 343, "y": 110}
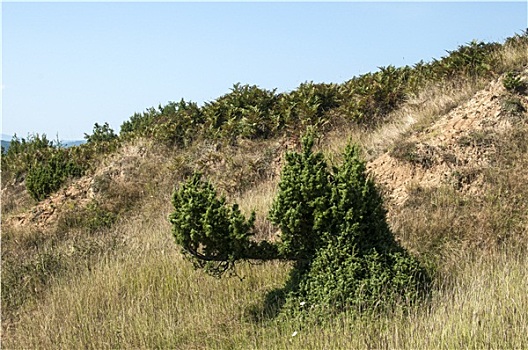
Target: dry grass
{"x": 147, "y": 296}
{"x": 440, "y": 220}
{"x": 259, "y": 199}
{"x": 416, "y": 114}
{"x": 511, "y": 58}
{"x": 482, "y": 307}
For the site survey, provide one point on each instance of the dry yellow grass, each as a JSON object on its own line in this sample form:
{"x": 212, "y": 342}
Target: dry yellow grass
{"x": 148, "y": 296}
{"x": 419, "y": 112}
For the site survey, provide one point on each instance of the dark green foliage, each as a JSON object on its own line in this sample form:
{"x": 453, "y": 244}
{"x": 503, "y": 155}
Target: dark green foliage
{"x": 471, "y": 60}
{"x": 247, "y": 111}
{"x": 299, "y": 208}
{"x": 250, "y": 112}
{"x": 514, "y": 83}
{"x": 23, "y": 153}
{"x": 176, "y": 124}
{"x": 214, "y": 234}
{"x": 333, "y": 226}
{"x": 357, "y": 207}
{"x": 518, "y": 40}
{"x": 347, "y": 279}
{"x": 102, "y": 141}
{"x": 46, "y": 177}
{"x": 359, "y": 264}
{"x": 44, "y": 164}
{"x": 370, "y": 97}
{"x": 367, "y": 99}
{"x": 307, "y": 106}
{"x": 101, "y": 133}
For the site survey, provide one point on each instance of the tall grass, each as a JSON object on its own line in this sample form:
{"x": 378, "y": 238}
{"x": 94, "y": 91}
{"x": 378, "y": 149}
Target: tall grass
{"x": 148, "y": 296}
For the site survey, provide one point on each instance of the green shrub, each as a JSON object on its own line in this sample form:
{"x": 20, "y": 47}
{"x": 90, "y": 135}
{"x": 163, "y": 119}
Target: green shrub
{"x": 333, "y": 227}
{"x": 359, "y": 264}
{"x": 307, "y": 106}
{"x": 302, "y": 202}
{"x": 471, "y": 60}
{"x": 247, "y": 111}
{"x": 102, "y": 141}
{"x": 211, "y": 233}
{"x": 367, "y": 99}
{"x": 22, "y": 153}
{"x": 46, "y": 177}
{"x": 517, "y": 40}
{"x": 175, "y": 124}
{"x": 514, "y": 83}
{"x": 45, "y": 164}
{"x": 101, "y": 133}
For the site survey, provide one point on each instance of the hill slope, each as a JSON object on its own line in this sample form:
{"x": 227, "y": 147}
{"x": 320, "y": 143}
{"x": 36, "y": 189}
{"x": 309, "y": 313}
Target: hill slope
{"x": 464, "y": 141}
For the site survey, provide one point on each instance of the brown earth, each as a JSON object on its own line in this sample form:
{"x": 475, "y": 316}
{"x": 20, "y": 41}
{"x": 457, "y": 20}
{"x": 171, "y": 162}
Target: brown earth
{"x": 120, "y": 168}
{"x": 455, "y": 148}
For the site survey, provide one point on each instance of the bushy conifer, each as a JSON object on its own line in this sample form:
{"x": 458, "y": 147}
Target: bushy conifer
{"x": 333, "y": 226}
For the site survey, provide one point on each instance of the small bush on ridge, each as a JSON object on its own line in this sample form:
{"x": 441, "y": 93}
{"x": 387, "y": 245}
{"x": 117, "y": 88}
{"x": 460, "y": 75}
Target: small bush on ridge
{"x": 46, "y": 177}
{"x": 514, "y": 83}
{"x": 101, "y": 133}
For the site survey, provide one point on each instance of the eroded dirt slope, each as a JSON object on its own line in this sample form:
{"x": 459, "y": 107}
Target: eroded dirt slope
{"x": 454, "y": 148}
{"x": 119, "y": 169}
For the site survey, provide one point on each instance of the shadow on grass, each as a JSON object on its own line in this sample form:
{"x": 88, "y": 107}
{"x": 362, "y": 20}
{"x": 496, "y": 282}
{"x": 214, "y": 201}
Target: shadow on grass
{"x": 274, "y": 301}
{"x": 269, "y": 309}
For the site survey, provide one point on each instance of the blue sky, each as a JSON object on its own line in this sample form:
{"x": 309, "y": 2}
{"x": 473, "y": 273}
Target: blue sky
{"x": 66, "y": 66}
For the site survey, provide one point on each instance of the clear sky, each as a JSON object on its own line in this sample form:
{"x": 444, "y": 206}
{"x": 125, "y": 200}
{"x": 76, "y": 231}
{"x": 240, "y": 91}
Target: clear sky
{"x": 66, "y": 66}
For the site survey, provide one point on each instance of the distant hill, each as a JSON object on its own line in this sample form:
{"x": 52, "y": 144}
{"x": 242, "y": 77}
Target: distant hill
{"x": 73, "y": 143}
{"x": 5, "y": 144}
{"x": 6, "y": 141}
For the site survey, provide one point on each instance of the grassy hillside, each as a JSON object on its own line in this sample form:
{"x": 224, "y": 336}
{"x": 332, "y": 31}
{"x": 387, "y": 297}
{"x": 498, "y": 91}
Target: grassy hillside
{"x": 91, "y": 263}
